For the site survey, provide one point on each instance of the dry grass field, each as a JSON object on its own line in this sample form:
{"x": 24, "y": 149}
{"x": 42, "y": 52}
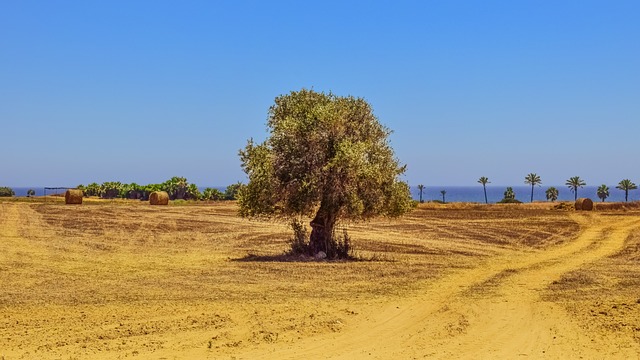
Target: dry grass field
{"x": 121, "y": 279}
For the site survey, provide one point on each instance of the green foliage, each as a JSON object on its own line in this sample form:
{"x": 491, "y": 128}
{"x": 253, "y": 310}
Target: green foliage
{"x": 626, "y": 185}
{"x": 31, "y": 192}
{"x": 298, "y": 244}
{"x": 110, "y": 189}
{"x": 574, "y": 183}
{"x": 92, "y": 189}
{"x": 6, "y": 191}
{"x": 532, "y": 179}
{"x": 342, "y": 246}
{"x": 509, "y": 194}
{"x": 152, "y": 187}
{"x": 552, "y": 194}
{"x": 176, "y": 187}
{"x": 509, "y": 201}
{"x": 212, "y": 194}
{"x": 326, "y": 155}
{"x": 231, "y": 192}
{"x": 603, "y": 192}
{"x": 193, "y": 192}
{"x": 509, "y": 197}
{"x": 131, "y": 191}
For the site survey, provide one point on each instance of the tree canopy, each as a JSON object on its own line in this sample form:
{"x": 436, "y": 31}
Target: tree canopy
{"x": 574, "y": 183}
{"x": 552, "y": 194}
{"x": 6, "y": 191}
{"x": 326, "y": 156}
{"x": 603, "y": 192}
{"x": 178, "y": 188}
{"x": 626, "y": 185}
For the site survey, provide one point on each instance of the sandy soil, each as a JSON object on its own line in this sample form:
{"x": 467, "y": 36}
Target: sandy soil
{"x": 115, "y": 280}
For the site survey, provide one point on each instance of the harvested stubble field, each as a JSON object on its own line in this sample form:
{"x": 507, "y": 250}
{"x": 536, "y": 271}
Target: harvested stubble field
{"x": 121, "y": 279}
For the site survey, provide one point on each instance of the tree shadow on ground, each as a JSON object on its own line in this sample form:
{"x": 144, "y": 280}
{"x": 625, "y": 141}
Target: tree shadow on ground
{"x": 298, "y": 258}
{"x": 277, "y": 258}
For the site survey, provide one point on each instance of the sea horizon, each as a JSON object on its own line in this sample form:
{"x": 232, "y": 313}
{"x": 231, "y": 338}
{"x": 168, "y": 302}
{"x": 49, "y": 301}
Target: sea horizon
{"x": 458, "y": 193}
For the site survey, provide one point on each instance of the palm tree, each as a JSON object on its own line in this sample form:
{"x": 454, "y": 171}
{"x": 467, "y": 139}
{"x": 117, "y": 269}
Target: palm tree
{"x": 443, "y": 192}
{"x": 626, "y": 185}
{"x": 484, "y": 181}
{"x": 532, "y": 179}
{"x": 421, "y": 188}
{"x": 552, "y": 194}
{"x": 574, "y": 183}
{"x": 31, "y": 192}
{"x": 603, "y": 192}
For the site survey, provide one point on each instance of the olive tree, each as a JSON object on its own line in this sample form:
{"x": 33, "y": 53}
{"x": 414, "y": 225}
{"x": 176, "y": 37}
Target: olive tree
{"x": 326, "y": 157}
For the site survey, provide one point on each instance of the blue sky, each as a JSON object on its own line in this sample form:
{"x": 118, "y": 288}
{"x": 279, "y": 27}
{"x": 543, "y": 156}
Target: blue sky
{"x": 142, "y": 91}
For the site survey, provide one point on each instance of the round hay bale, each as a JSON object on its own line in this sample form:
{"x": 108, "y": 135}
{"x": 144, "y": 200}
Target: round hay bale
{"x": 159, "y": 198}
{"x": 73, "y": 196}
{"x": 584, "y": 204}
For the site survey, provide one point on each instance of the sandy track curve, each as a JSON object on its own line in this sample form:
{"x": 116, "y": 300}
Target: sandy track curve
{"x": 493, "y": 311}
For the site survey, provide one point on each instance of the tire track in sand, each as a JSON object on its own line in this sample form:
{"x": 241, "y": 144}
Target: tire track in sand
{"x": 493, "y": 311}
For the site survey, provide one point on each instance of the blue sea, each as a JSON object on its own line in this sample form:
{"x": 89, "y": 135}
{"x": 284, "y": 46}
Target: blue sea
{"x": 464, "y": 193}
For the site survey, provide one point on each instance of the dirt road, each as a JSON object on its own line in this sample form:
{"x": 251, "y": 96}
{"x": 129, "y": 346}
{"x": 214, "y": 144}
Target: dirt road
{"x": 70, "y": 290}
{"x": 493, "y": 311}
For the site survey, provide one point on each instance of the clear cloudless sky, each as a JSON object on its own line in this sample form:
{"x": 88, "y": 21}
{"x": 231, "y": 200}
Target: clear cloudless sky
{"x": 140, "y": 91}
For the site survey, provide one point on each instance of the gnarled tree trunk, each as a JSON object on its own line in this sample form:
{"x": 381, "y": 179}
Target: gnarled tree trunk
{"x": 322, "y": 227}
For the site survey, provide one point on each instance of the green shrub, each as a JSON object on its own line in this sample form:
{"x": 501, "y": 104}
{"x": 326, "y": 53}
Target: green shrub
{"x": 6, "y": 191}
{"x": 343, "y": 247}
{"x": 299, "y": 242}
{"x": 231, "y": 192}
{"x": 212, "y": 194}
{"x": 509, "y": 201}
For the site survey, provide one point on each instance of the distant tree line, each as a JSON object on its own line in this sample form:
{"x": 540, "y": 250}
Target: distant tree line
{"x": 178, "y": 188}
{"x": 573, "y": 183}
